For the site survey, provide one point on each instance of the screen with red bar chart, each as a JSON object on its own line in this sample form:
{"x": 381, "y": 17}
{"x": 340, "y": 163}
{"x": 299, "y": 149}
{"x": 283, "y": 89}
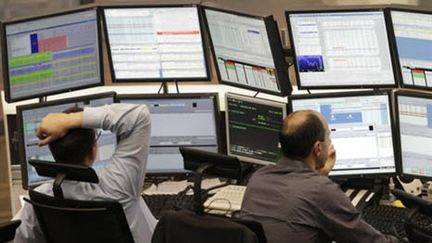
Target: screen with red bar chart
{"x": 155, "y": 43}
{"x": 52, "y": 54}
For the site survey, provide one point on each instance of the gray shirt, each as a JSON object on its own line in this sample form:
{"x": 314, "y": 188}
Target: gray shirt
{"x": 122, "y": 177}
{"x": 296, "y": 204}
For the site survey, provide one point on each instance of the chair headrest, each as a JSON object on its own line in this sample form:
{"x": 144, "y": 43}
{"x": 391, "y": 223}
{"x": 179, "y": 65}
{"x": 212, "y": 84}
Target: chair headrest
{"x": 221, "y": 165}
{"x": 72, "y": 172}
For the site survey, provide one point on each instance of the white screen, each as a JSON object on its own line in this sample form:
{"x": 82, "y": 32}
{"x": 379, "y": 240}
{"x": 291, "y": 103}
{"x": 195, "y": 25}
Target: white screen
{"x": 361, "y": 132}
{"x": 414, "y": 46}
{"x": 415, "y": 124}
{"x": 156, "y": 43}
{"x": 242, "y": 49}
{"x": 341, "y": 49}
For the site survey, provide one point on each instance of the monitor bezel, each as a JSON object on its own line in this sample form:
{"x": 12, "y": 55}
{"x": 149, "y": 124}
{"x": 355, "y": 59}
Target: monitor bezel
{"x": 5, "y": 61}
{"x": 21, "y": 146}
{"x": 410, "y": 94}
{"x": 392, "y": 37}
{"x": 276, "y": 48}
{"x": 147, "y": 80}
{"x": 360, "y": 86}
{"x": 259, "y": 101}
{"x": 358, "y": 94}
{"x": 122, "y": 97}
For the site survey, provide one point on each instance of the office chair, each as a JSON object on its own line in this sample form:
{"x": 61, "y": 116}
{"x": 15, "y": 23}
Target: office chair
{"x": 66, "y": 220}
{"x": 7, "y": 230}
{"x": 188, "y": 227}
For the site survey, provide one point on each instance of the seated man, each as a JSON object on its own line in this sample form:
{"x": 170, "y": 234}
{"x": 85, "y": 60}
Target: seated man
{"x": 294, "y": 201}
{"x": 71, "y": 138}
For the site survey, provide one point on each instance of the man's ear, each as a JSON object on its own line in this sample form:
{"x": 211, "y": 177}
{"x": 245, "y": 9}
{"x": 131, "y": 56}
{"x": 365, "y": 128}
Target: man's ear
{"x": 317, "y": 148}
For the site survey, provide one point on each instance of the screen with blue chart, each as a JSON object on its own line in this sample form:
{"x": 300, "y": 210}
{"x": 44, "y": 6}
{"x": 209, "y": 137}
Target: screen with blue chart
{"x": 30, "y": 117}
{"x": 415, "y": 130}
{"x": 414, "y": 46}
{"x": 52, "y": 54}
{"x": 341, "y": 48}
{"x": 361, "y": 131}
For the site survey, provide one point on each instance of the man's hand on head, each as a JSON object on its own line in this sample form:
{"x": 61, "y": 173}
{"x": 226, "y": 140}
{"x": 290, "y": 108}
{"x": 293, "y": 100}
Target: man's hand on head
{"x": 56, "y": 125}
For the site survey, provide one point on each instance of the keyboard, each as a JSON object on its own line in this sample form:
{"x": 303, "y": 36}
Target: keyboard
{"x": 228, "y": 199}
{"x": 158, "y": 203}
{"x": 387, "y": 219}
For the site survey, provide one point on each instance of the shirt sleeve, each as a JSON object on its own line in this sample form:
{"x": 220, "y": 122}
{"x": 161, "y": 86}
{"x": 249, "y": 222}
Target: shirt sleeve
{"x": 123, "y": 176}
{"x": 342, "y": 222}
{"x": 29, "y": 229}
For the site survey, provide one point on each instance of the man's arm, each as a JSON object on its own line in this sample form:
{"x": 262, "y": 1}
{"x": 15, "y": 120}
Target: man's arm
{"x": 341, "y": 221}
{"x": 123, "y": 176}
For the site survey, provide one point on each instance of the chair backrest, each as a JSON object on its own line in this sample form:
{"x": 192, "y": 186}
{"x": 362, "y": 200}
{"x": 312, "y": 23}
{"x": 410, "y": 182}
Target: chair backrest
{"x": 7, "y": 230}
{"x": 71, "y": 221}
{"x": 187, "y": 227}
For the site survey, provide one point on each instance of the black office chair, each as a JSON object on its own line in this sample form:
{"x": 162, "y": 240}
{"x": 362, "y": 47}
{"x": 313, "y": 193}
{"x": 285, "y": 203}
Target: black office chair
{"x": 7, "y": 230}
{"x": 188, "y": 227}
{"x": 70, "y": 221}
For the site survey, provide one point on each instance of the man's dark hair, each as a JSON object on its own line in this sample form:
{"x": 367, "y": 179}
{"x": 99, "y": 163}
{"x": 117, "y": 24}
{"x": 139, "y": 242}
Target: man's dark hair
{"x": 75, "y": 145}
{"x": 298, "y": 135}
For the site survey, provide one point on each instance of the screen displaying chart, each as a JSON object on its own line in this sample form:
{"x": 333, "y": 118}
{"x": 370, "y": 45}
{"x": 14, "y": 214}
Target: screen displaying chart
{"x": 52, "y": 54}
{"x": 341, "y": 49}
{"x": 162, "y": 43}
{"x": 360, "y": 129}
{"x": 413, "y": 38}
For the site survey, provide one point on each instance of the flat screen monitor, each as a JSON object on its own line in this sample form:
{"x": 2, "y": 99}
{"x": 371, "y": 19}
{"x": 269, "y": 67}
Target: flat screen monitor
{"x": 341, "y": 49}
{"x": 252, "y": 127}
{"x": 29, "y": 117}
{"x": 248, "y": 51}
{"x": 159, "y": 43}
{"x": 361, "y": 130}
{"x": 414, "y": 121}
{"x": 186, "y": 120}
{"x": 413, "y": 41}
{"x": 51, "y": 54}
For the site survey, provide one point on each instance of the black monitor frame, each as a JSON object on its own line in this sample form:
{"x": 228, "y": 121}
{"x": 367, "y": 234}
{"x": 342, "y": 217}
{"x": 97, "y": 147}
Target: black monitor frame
{"x": 121, "y": 97}
{"x": 360, "y": 86}
{"x": 110, "y": 59}
{"x": 354, "y": 94}
{"x": 19, "y": 111}
{"x": 38, "y": 94}
{"x": 276, "y": 48}
{"x": 259, "y": 101}
{"x": 392, "y": 38}
{"x": 411, "y": 94}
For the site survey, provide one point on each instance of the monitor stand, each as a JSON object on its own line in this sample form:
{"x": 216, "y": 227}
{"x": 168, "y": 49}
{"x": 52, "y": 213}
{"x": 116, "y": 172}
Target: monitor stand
{"x": 43, "y": 99}
{"x": 164, "y": 87}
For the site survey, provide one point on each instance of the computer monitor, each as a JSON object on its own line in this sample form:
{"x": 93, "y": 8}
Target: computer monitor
{"x": 29, "y": 117}
{"x": 180, "y": 120}
{"x": 252, "y": 128}
{"x": 341, "y": 49}
{"x": 155, "y": 43}
{"x": 247, "y": 51}
{"x": 361, "y": 127}
{"x": 414, "y": 121}
{"x": 51, "y": 54}
{"x": 413, "y": 41}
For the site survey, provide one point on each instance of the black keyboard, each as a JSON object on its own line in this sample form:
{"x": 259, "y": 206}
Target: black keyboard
{"x": 387, "y": 219}
{"x": 163, "y": 202}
